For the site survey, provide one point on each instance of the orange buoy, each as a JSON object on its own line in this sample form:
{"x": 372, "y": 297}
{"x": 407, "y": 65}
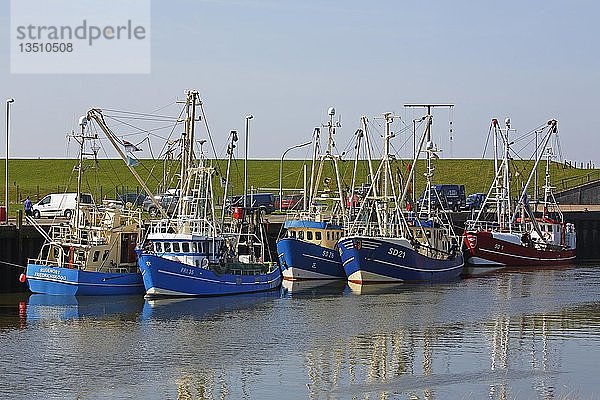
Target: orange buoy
{"x": 22, "y": 278}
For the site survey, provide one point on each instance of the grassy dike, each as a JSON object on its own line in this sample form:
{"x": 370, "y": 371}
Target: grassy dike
{"x": 38, "y": 177}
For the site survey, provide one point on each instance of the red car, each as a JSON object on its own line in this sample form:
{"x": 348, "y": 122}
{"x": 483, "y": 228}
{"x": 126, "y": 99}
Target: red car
{"x": 290, "y": 202}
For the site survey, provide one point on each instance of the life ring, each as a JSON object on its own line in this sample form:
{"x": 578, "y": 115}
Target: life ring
{"x": 546, "y": 235}
{"x": 204, "y": 263}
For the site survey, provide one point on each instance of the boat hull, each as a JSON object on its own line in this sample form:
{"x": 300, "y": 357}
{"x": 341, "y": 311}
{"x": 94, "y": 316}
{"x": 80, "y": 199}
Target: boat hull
{"x": 73, "y": 282}
{"x": 369, "y": 260}
{"x": 300, "y": 260}
{"x": 483, "y": 249}
{"x": 164, "y": 277}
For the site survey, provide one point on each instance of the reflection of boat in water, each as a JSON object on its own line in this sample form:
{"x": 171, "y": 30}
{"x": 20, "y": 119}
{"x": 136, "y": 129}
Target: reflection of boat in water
{"x": 314, "y": 287}
{"x": 383, "y": 288}
{"x": 49, "y": 307}
{"x": 164, "y": 308}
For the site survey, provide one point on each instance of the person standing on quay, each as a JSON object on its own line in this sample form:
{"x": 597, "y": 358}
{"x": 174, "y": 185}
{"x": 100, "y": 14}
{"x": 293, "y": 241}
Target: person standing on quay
{"x": 28, "y": 206}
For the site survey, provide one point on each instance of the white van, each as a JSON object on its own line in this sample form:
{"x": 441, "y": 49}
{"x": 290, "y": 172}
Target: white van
{"x": 59, "y": 205}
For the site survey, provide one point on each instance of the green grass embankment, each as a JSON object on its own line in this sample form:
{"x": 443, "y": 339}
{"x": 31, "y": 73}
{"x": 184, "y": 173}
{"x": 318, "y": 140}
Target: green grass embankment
{"x": 38, "y": 177}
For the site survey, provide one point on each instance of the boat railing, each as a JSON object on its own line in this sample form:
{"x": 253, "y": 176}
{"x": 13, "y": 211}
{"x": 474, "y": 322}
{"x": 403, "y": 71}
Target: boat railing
{"x": 336, "y": 219}
{"x": 56, "y": 263}
{"x": 113, "y": 217}
{"x": 182, "y": 224}
{"x": 61, "y": 232}
{"x": 473, "y": 225}
{"x": 38, "y": 261}
{"x": 370, "y": 229}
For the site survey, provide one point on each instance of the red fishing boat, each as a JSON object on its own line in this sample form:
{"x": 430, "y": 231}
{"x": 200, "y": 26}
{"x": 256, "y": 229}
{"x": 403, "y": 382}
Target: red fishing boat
{"x": 517, "y": 235}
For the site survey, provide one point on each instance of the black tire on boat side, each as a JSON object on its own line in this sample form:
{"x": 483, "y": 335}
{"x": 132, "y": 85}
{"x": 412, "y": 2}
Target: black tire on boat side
{"x": 68, "y": 214}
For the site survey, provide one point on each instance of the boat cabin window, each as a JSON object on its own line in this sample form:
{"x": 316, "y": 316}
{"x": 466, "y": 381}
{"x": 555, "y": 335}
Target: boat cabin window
{"x": 309, "y": 235}
{"x": 167, "y": 247}
{"x": 176, "y": 248}
{"x": 318, "y": 235}
{"x": 104, "y": 255}
{"x": 301, "y": 235}
{"x": 185, "y": 247}
{"x": 328, "y": 236}
{"x": 292, "y": 234}
{"x": 96, "y": 256}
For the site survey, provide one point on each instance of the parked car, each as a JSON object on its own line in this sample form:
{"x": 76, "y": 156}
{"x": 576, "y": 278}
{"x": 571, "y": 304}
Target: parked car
{"x": 474, "y": 201}
{"x": 289, "y": 202}
{"x": 447, "y": 196}
{"x": 168, "y": 201}
{"x": 262, "y": 201}
{"x": 59, "y": 204}
{"x": 136, "y": 199}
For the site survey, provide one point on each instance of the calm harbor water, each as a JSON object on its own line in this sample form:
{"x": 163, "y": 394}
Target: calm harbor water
{"x": 511, "y": 335}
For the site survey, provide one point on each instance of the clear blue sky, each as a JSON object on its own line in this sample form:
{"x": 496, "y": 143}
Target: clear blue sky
{"x": 286, "y": 62}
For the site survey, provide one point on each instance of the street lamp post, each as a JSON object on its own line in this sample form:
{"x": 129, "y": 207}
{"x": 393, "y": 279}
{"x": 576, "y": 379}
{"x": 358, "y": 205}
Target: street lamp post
{"x": 248, "y": 118}
{"x": 281, "y": 171}
{"x": 8, "y": 103}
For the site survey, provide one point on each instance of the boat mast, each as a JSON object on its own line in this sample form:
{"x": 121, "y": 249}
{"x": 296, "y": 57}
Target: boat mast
{"x": 429, "y": 148}
{"x": 548, "y": 194}
{"x": 233, "y": 137}
{"x": 331, "y": 126}
{"x": 364, "y": 121}
{"x": 316, "y": 150}
{"x": 506, "y": 176}
{"x": 553, "y": 128}
{"x": 547, "y": 187}
{"x": 188, "y": 156}
{"x": 387, "y": 135}
{"x": 372, "y": 174}
{"x": 497, "y": 178}
{"x": 81, "y": 141}
{"x": 359, "y": 135}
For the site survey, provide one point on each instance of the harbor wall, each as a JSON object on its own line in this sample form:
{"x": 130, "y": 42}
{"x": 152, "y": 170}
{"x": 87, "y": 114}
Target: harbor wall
{"x": 586, "y": 194}
{"x": 17, "y": 244}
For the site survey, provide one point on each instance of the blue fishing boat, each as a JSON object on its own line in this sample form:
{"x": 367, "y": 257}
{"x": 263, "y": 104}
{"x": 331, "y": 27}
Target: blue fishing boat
{"x": 191, "y": 265}
{"x": 48, "y": 278}
{"x": 93, "y": 254}
{"x": 387, "y": 260}
{"x": 308, "y": 247}
{"x": 195, "y": 254}
{"x": 386, "y": 244}
{"x": 309, "y": 250}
